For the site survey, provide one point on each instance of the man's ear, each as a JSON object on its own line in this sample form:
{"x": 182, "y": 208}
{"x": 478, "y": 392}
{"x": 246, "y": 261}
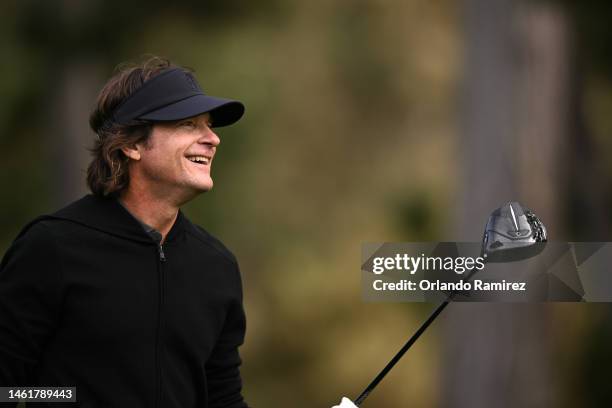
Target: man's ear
{"x": 133, "y": 152}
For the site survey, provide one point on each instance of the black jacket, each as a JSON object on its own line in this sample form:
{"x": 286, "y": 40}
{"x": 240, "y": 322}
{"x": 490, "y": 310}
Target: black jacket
{"x": 89, "y": 299}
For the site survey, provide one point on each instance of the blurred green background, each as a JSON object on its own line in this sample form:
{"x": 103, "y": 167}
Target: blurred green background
{"x": 367, "y": 120}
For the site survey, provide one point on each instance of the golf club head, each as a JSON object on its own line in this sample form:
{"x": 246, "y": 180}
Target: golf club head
{"x": 513, "y": 233}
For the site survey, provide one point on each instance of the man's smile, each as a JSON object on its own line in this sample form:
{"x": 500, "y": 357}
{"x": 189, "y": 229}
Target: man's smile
{"x": 200, "y": 160}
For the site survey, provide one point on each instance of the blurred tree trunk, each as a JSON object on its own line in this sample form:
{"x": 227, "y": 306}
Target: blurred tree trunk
{"x": 76, "y": 83}
{"x": 70, "y": 136}
{"x": 515, "y": 110}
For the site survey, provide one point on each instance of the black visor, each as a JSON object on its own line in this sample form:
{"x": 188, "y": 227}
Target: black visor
{"x": 173, "y": 95}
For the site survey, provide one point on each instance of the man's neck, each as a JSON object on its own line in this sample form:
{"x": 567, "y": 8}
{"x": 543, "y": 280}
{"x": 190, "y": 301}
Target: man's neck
{"x": 159, "y": 214}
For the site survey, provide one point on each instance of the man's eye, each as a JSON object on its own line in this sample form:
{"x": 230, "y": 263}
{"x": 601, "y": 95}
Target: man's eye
{"x": 188, "y": 124}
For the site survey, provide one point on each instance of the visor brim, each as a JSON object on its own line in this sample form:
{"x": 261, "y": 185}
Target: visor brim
{"x": 223, "y": 111}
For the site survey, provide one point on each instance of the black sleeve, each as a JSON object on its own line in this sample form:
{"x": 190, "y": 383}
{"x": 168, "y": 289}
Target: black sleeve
{"x": 223, "y": 366}
{"x": 29, "y": 303}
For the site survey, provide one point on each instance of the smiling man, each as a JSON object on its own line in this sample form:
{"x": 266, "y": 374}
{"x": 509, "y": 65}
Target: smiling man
{"x": 119, "y": 294}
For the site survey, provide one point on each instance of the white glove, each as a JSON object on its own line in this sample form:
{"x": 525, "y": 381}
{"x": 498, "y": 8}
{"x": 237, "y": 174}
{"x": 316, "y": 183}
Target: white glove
{"x": 345, "y": 403}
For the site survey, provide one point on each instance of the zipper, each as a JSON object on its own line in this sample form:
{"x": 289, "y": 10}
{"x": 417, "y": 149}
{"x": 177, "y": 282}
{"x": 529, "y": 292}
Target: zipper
{"x": 160, "y": 249}
{"x": 158, "y": 345}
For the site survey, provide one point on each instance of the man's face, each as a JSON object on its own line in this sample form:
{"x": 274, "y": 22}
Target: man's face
{"x": 177, "y": 157}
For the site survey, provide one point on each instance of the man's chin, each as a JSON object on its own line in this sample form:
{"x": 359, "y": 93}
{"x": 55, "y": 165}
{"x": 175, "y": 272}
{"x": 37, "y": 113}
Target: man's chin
{"x": 204, "y": 187}
{"x": 190, "y": 189}
{"x": 190, "y": 193}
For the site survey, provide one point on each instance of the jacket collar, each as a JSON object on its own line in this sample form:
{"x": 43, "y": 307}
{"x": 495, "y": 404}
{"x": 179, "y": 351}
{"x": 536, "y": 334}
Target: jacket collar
{"x": 108, "y": 215}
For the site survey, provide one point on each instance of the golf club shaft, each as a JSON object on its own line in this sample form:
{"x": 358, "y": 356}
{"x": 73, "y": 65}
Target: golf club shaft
{"x": 409, "y": 344}
{"x": 400, "y": 353}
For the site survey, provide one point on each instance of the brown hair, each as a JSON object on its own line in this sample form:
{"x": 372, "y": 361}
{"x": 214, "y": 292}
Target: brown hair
{"x": 108, "y": 174}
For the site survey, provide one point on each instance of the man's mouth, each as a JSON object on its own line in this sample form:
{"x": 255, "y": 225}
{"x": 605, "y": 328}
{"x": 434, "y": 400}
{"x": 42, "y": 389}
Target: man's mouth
{"x": 202, "y": 160}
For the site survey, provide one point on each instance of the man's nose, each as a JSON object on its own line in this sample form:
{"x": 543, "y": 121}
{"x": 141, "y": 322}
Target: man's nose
{"x": 209, "y": 137}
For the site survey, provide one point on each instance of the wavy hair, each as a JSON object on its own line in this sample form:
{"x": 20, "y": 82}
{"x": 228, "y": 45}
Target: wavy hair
{"x": 108, "y": 171}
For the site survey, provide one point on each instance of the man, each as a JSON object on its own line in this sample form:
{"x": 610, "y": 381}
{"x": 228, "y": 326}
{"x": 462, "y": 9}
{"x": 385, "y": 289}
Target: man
{"x": 119, "y": 294}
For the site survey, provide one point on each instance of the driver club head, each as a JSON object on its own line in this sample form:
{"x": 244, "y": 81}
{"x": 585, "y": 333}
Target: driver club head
{"x": 513, "y": 233}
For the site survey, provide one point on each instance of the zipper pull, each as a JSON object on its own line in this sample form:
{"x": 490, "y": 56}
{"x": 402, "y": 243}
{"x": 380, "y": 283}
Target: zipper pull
{"x": 162, "y": 256}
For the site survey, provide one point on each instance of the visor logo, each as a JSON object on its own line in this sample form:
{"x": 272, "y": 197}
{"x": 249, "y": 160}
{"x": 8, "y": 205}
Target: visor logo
{"x": 192, "y": 82}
